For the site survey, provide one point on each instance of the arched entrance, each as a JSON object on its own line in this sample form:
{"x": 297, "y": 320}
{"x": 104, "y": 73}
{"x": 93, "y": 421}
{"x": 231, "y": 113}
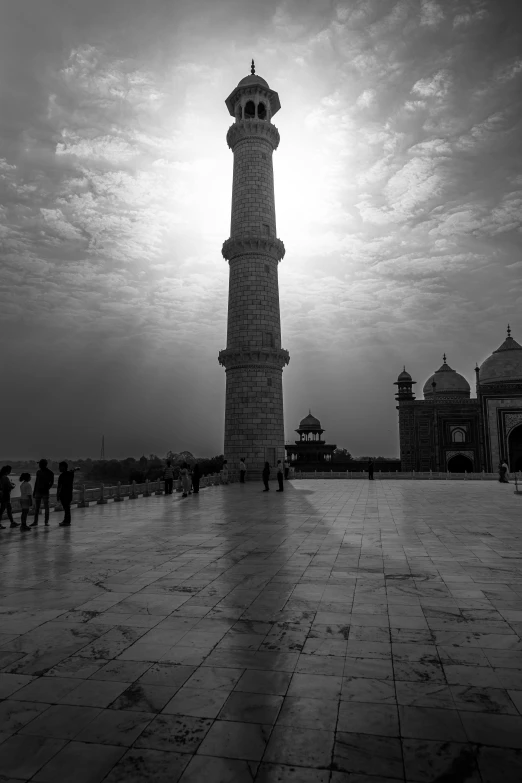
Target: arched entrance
{"x": 515, "y": 448}
{"x": 460, "y": 464}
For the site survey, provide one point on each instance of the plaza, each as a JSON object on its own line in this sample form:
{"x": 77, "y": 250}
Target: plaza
{"x": 344, "y": 631}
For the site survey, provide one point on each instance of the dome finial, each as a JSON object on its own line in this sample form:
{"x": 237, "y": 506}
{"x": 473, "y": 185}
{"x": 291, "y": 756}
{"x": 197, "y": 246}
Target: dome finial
{"x": 509, "y": 331}
{"x": 252, "y": 67}
{"x": 444, "y": 358}
{"x": 404, "y": 368}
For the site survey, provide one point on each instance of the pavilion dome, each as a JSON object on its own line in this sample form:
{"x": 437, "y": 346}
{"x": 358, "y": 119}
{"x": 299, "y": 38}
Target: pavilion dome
{"x": 310, "y": 423}
{"x": 252, "y": 78}
{"x": 404, "y": 376}
{"x": 504, "y": 364}
{"x": 449, "y": 382}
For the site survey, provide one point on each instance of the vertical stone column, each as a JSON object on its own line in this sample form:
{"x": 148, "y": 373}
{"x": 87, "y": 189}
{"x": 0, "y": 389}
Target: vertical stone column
{"x": 253, "y": 358}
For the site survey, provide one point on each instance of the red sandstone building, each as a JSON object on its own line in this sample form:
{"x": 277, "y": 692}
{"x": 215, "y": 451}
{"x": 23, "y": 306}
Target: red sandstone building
{"x": 451, "y": 431}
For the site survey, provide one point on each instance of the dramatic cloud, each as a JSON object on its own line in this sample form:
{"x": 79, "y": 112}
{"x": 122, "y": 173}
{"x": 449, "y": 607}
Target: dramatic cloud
{"x": 398, "y": 193}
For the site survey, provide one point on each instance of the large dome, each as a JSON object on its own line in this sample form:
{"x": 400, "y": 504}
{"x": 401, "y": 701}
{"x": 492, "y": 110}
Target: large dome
{"x": 449, "y": 382}
{"x": 310, "y": 423}
{"x": 504, "y": 364}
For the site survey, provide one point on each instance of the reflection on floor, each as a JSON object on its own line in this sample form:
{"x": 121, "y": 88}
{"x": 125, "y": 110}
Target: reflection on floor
{"x": 343, "y": 631}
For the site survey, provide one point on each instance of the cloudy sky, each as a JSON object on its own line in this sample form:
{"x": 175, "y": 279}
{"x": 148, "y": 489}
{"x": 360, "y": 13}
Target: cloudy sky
{"x": 398, "y": 196}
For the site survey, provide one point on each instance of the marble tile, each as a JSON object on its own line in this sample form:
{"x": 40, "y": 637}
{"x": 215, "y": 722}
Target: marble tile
{"x": 81, "y": 762}
{"x": 251, "y": 707}
{"x": 61, "y": 721}
{"x": 115, "y": 727}
{"x": 198, "y": 702}
{"x": 22, "y": 756}
{"x": 290, "y": 745}
{"x": 362, "y": 718}
{"x": 428, "y": 760}
{"x": 180, "y": 733}
{"x": 144, "y": 698}
{"x": 308, "y": 713}
{"x": 364, "y": 753}
{"x": 431, "y": 723}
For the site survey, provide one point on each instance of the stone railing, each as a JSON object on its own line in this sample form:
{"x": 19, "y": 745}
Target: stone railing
{"x": 85, "y": 496}
{"x": 412, "y": 474}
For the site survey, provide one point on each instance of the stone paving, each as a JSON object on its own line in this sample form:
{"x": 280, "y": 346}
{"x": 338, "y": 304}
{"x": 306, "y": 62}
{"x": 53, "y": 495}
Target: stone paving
{"x": 341, "y": 632}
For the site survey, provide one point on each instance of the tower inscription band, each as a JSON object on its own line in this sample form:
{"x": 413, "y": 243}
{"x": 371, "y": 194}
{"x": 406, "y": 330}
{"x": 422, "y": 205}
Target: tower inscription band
{"x": 253, "y": 359}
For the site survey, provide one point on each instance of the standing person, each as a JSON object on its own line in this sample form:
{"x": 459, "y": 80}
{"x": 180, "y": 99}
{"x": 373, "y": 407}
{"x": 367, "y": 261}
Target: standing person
{"x": 26, "y": 499}
{"x": 266, "y": 476}
{"x": 196, "y": 475}
{"x": 168, "y": 475}
{"x": 287, "y": 469}
{"x": 502, "y": 472}
{"x": 6, "y": 487}
{"x": 242, "y": 470}
{"x": 42, "y": 484}
{"x": 185, "y": 479}
{"x": 370, "y": 469}
{"x": 224, "y": 472}
{"x": 506, "y": 471}
{"x": 64, "y": 493}
{"x": 280, "y": 476}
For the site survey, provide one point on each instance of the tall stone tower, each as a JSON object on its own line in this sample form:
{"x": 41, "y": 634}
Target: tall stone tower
{"x": 253, "y": 358}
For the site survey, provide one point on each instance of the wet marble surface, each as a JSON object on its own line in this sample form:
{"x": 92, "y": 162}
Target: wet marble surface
{"x": 343, "y": 632}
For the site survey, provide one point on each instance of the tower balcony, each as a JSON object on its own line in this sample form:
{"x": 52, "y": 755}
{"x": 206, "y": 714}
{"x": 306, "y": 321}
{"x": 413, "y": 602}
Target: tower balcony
{"x": 235, "y": 358}
{"x": 240, "y": 246}
{"x": 246, "y": 129}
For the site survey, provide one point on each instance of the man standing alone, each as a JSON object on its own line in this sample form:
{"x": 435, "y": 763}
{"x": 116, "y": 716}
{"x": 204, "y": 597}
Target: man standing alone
{"x": 64, "y": 493}
{"x": 370, "y": 469}
{"x": 280, "y": 476}
{"x": 168, "y": 475}
{"x": 43, "y": 483}
{"x": 242, "y": 470}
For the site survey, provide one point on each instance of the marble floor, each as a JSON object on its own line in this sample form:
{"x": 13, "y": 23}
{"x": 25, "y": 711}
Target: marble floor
{"x": 341, "y": 632}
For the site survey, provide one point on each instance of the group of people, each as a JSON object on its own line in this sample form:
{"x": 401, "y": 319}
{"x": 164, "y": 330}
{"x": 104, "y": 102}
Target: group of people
{"x": 188, "y": 480}
{"x": 39, "y": 494}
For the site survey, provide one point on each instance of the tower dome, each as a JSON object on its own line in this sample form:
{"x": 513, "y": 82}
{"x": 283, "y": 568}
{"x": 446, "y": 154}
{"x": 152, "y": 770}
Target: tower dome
{"x": 252, "y": 78}
{"x": 448, "y": 383}
{"x": 404, "y": 376}
{"x": 309, "y": 423}
{"x": 504, "y": 364}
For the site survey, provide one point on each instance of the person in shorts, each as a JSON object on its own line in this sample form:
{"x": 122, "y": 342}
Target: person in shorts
{"x": 26, "y": 499}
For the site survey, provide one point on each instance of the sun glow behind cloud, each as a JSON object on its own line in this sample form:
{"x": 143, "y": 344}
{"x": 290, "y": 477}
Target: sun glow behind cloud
{"x": 398, "y": 196}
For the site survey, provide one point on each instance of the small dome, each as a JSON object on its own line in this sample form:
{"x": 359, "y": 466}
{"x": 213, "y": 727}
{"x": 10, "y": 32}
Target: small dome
{"x": 449, "y": 382}
{"x": 252, "y": 78}
{"x": 504, "y": 364}
{"x": 404, "y": 376}
{"x": 310, "y": 423}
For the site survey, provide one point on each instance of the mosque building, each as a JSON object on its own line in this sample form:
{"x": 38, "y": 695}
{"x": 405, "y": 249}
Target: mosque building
{"x": 451, "y": 431}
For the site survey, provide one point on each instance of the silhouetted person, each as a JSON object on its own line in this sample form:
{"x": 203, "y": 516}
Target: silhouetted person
{"x": 42, "y": 484}
{"x": 502, "y": 472}
{"x": 196, "y": 475}
{"x": 224, "y": 472}
{"x": 280, "y": 476}
{"x": 64, "y": 492}
{"x": 370, "y": 469}
{"x": 168, "y": 475}
{"x": 185, "y": 479}
{"x": 26, "y": 499}
{"x": 266, "y": 476}
{"x": 287, "y": 469}
{"x": 242, "y": 470}
{"x": 6, "y": 487}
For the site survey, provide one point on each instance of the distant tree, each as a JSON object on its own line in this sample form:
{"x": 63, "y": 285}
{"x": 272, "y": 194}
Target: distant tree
{"x": 341, "y": 454}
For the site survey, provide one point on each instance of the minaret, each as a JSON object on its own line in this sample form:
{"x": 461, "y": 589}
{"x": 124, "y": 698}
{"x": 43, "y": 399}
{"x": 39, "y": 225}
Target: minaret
{"x": 253, "y": 358}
